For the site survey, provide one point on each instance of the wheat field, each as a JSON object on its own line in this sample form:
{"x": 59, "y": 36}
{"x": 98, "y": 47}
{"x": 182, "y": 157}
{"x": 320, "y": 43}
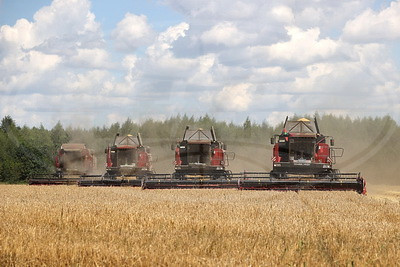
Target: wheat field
{"x": 68, "y": 225}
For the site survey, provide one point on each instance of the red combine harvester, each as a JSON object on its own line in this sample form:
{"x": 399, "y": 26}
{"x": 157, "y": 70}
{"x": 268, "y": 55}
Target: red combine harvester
{"x": 200, "y": 162}
{"x": 71, "y": 161}
{"x": 127, "y": 162}
{"x": 303, "y": 159}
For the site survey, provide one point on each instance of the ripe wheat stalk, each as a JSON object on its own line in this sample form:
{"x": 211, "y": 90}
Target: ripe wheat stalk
{"x": 68, "y": 225}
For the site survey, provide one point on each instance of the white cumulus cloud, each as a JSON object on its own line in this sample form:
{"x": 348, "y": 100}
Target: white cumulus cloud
{"x": 231, "y": 98}
{"x": 225, "y": 33}
{"x": 164, "y": 41}
{"x": 65, "y": 18}
{"x": 21, "y": 35}
{"x": 371, "y": 26}
{"x": 91, "y": 58}
{"x": 304, "y": 47}
{"x": 283, "y": 14}
{"x": 133, "y": 31}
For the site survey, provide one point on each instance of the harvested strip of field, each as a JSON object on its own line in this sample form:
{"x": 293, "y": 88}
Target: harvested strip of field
{"x": 385, "y": 192}
{"x": 68, "y": 225}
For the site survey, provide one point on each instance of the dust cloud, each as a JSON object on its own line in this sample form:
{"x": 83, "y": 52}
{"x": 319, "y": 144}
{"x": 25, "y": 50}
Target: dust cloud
{"x": 380, "y": 167}
{"x": 98, "y": 145}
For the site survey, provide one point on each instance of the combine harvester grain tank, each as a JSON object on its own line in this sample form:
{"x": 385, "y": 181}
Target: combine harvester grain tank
{"x": 200, "y": 162}
{"x": 127, "y": 162}
{"x": 72, "y": 161}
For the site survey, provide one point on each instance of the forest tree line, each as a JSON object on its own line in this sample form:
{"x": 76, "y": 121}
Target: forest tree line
{"x": 25, "y": 151}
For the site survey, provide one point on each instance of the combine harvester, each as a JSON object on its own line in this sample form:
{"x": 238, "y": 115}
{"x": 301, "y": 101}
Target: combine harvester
{"x": 303, "y": 159}
{"x": 71, "y": 161}
{"x": 200, "y": 161}
{"x": 127, "y": 161}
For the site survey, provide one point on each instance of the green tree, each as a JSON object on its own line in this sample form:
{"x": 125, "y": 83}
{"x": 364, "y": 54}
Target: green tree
{"x": 7, "y": 124}
{"x": 247, "y": 128}
{"x": 59, "y": 136}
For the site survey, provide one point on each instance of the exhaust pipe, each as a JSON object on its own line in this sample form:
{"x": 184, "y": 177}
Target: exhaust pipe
{"x": 284, "y": 125}
{"x": 214, "y": 138}
{"x": 184, "y": 134}
{"x": 115, "y": 139}
{"x": 139, "y": 137}
{"x": 316, "y": 124}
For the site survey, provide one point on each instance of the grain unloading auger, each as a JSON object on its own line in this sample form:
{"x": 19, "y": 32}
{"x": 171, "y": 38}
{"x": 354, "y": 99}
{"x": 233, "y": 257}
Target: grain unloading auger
{"x": 127, "y": 160}
{"x": 200, "y": 162}
{"x": 72, "y": 161}
{"x": 303, "y": 159}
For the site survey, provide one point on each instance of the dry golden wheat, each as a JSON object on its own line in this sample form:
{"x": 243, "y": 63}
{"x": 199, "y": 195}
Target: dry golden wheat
{"x": 68, "y": 225}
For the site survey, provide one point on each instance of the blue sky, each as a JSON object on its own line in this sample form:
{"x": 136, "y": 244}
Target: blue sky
{"x": 160, "y": 16}
{"x": 91, "y": 63}
{"x": 108, "y": 13}
{"x": 11, "y": 11}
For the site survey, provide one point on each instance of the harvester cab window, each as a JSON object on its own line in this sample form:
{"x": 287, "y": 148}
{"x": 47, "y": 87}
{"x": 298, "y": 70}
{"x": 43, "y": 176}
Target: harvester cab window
{"x": 284, "y": 151}
{"x": 127, "y": 157}
{"x": 196, "y": 153}
{"x": 72, "y": 160}
{"x": 302, "y": 148}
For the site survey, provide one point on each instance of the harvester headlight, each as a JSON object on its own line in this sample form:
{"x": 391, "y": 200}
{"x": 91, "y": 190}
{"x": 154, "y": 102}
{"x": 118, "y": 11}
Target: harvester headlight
{"x": 326, "y": 166}
{"x": 277, "y": 165}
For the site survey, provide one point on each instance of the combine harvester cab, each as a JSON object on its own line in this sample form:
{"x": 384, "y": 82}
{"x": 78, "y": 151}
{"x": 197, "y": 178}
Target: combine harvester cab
{"x": 127, "y": 162}
{"x": 72, "y": 161}
{"x": 200, "y": 162}
{"x": 303, "y": 159}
